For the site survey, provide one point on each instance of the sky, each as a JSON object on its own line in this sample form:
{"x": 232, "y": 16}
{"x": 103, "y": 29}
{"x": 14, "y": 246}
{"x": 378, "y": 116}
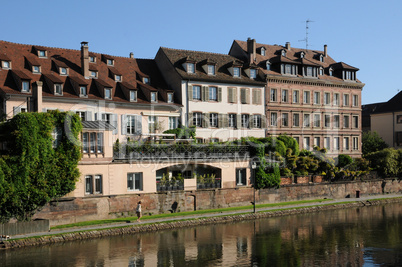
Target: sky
{"x": 361, "y": 33}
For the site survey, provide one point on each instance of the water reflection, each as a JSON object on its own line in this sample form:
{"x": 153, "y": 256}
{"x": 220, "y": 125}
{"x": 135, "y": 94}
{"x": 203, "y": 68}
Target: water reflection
{"x": 355, "y": 237}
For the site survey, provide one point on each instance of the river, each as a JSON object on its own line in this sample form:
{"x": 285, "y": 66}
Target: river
{"x": 367, "y": 236}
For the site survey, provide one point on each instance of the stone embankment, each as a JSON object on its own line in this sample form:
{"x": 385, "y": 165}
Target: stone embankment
{"x": 79, "y": 235}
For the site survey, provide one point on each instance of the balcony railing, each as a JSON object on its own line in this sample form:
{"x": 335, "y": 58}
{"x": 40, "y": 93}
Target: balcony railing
{"x": 179, "y": 151}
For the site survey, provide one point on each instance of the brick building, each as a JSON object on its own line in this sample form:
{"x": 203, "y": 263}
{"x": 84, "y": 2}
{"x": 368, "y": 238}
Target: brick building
{"x": 309, "y": 95}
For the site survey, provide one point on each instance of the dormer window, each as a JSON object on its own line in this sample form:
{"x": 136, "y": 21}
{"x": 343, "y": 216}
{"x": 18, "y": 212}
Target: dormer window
{"x": 58, "y": 89}
{"x": 331, "y": 72}
{"x": 145, "y": 80}
{"x": 92, "y": 59}
{"x": 253, "y": 73}
{"x": 35, "y": 69}
{"x": 93, "y": 74}
{"x": 133, "y": 96}
{"x": 6, "y": 64}
{"x": 268, "y": 64}
{"x": 321, "y": 58}
{"x": 348, "y": 75}
{"x": 42, "y": 53}
{"x": 170, "y": 98}
{"x": 211, "y": 69}
{"x": 236, "y": 72}
{"x": 118, "y": 78}
{"x": 25, "y": 86}
{"x": 63, "y": 71}
{"x": 262, "y": 51}
{"x": 110, "y": 62}
{"x": 153, "y": 97}
{"x": 108, "y": 93}
{"x": 190, "y": 68}
{"x": 288, "y": 69}
{"x": 283, "y": 53}
{"x": 302, "y": 55}
{"x": 83, "y": 91}
{"x": 321, "y": 71}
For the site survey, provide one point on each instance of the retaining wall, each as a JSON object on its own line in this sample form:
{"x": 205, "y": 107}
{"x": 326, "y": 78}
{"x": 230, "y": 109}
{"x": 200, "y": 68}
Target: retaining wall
{"x": 20, "y": 228}
{"x": 71, "y": 210}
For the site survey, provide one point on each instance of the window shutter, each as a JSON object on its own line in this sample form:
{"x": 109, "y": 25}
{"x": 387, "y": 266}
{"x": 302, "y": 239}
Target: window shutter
{"x": 251, "y": 121}
{"x": 230, "y": 95}
{"x": 254, "y": 98}
{"x": 263, "y": 121}
{"x": 114, "y": 123}
{"x": 190, "y": 120}
{"x": 238, "y": 123}
{"x": 219, "y": 94}
{"x": 16, "y": 110}
{"x": 220, "y": 120}
{"x": 123, "y": 124}
{"x": 88, "y": 116}
{"x": 247, "y": 91}
{"x": 190, "y": 92}
{"x": 204, "y": 93}
{"x": 258, "y": 97}
{"x": 234, "y": 95}
{"x": 138, "y": 124}
{"x": 243, "y": 95}
{"x": 205, "y": 117}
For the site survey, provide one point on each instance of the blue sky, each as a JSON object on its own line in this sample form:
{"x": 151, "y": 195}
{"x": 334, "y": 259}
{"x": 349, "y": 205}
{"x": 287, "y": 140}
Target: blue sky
{"x": 364, "y": 34}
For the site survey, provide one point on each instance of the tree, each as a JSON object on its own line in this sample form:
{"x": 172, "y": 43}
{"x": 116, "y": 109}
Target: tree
{"x": 372, "y": 142}
{"x": 40, "y": 163}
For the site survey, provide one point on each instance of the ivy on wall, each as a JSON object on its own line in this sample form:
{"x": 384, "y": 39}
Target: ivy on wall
{"x": 39, "y": 163}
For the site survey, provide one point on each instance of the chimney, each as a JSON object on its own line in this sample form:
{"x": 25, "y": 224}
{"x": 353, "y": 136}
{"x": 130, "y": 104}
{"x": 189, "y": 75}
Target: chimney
{"x": 85, "y": 59}
{"x": 36, "y": 97}
{"x": 287, "y": 46}
{"x": 325, "y": 51}
{"x": 251, "y": 49}
{"x": 131, "y": 55}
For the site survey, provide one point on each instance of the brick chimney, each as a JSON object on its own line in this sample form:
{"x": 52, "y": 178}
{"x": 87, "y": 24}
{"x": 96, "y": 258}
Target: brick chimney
{"x": 325, "y": 51}
{"x": 36, "y": 104}
{"x": 287, "y": 46}
{"x": 85, "y": 59}
{"x": 251, "y": 49}
{"x": 131, "y": 55}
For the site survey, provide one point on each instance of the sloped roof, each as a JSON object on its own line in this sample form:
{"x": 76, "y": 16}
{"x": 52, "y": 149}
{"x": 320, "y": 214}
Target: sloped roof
{"x": 394, "y": 104}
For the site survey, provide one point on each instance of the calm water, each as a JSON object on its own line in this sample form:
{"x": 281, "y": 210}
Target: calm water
{"x": 369, "y": 236}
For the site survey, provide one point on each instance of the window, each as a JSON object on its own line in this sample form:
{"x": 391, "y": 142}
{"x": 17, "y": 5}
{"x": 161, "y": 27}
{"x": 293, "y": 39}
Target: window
{"x": 268, "y": 65}
{"x": 285, "y": 119}
{"x": 398, "y": 138}
{"x": 336, "y": 121}
{"x": 108, "y": 93}
{"x": 83, "y": 91}
{"x": 355, "y": 121}
{"x": 306, "y": 120}
{"x": 99, "y": 143}
{"x": 232, "y": 95}
{"x": 327, "y": 121}
{"x": 232, "y": 120}
{"x": 153, "y": 97}
{"x": 253, "y": 73}
{"x": 331, "y": 73}
{"x": 321, "y": 71}
{"x": 348, "y": 75}
{"x": 109, "y": 62}
{"x": 346, "y": 143}
{"x": 88, "y": 184}
{"x": 345, "y": 121}
{"x": 25, "y": 86}
{"x": 92, "y": 142}
{"x": 283, "y": 53}
{"x": 306, "y": 143}
{"x": 236, "y": 72}
{"x": 197, "y": 92}
{"x": 296, "y": 120}
{"x": 306, "y": 97}
{"x": 336, "y": 143}
{"x": 336, "y": 99}
{"x": 317, "y": 98}
{"x": 355, "y": 100}
{"x": 82, "y": 115}
{"x": 317, "y": 141}
{"x": 241, "y": 177}
{"x": 285, "y": 96}
{"x": 273, "y": 96}
{"x": 262, "y": 51}
{"x": 133, "y": 96}
{"x": 288, "y": 69}
{"x": 197, "y": 119}
{"x": 297, "y": 139}
{"x": 355, "y": 143}
{"x": 134, "y": 181}
{"x": 58, "y": 89}
{"x": 152, "y": 123}
{"x": 98, "y": 184}
{"x": 274, "y": 117}
{"x": 309, "y": 71}
{"x": 93, "y": 74}
{"x": 172, "y": 123}
{"x": 321, "y": 58}
{"x": 213, "y": 119}
{"x": 346, "y": 100}
{"x": 190, "y": 68}
{"x": 117, "y": 78}
{"x": 36, "y": 69}
{"x": 213, "y": 94}
{"x": 133, "y": 124}
{"x": 145, "y": 80}
{"x": 245, "y": 120}
{"x": 317, "y": 120}
{"x": 170, "y": 97}
{"x": 211, "y": 69}
{"x": 63, "y": 71}
{"x": 327, "y": 143}
{"x": 6, "y": 64}
{"x": 92, "y": 59}
{"x": 42, "y": 53}
{"x": 327, "y": 98}
{"x": 257, "y": 121}
{"x": 295, "y": 97}
{"x": 302, "y": 55}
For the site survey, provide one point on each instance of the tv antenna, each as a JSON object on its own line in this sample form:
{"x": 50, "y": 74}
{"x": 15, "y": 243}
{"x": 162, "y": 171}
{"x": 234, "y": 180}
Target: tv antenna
{"x": 307, "y": 27}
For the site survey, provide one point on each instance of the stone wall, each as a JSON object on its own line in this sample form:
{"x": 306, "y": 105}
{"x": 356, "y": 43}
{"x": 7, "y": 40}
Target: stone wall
{"x": 71, "y": 210}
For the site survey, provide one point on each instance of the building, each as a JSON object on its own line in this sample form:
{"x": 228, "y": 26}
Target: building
{"x": 221, "y": 95}
{"x": 386, "y": 120}
{"x": 309, "y": 95}
{"x": 367, "y": 110}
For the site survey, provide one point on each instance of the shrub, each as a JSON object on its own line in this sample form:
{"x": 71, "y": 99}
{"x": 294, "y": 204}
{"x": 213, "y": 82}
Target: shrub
{"x": 344, "y": 160}
{"x": 372, "y": 142}
{"x": 386, "y": 162}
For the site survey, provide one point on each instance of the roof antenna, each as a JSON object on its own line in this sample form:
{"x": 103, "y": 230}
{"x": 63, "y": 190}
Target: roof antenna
{"x": 306, "y": 39}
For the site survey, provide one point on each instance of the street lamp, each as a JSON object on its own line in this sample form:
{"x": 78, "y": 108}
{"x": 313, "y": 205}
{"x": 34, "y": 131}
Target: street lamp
{"x": 253, "y": 167}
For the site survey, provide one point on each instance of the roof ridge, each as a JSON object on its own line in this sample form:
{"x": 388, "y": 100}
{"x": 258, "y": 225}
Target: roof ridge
{"x": 186, "y": 50}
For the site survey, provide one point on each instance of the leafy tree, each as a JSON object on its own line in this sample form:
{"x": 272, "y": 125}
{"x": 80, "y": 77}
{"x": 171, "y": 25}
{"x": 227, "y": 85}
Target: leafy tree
{"x": 387, "y": 162}
{"x": 344, "y": 160}
{"x": 40, "y": 164}
{"x": 372, "y": 142}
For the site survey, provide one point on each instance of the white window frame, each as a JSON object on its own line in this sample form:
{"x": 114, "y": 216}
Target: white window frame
{"x": 346, "y": 121}
{"x": 197, "y": 119}
{"x": 108, "y": 93}
{"x": 306, "y": 97}
{"x": 236, "y": 72}
{"x": 118, "y": 78}
{"x": 82, "y": 89}
{"x": 327, "y": 98}
{"x": 317, "y": 120}
{"x": 345, "y": 100}
{"x": 274, "y": 119}
{"x": 213, "y": 120}
{"x": 190, "y": 67}
{"x": 211, "y": 69}
{"x": 25, "y": 86}
{"x": 133, "y": 96}
{"x": 173, "y": 123}
{"x": 317, "y": 98}
{"x": 327, "y": 143}
{"x": 63, "y": 71}
{"x": 36, "y": 69}
{"x": 241, "y": 176}
{"x": 232, "y": 120}
{"x": 135, "y": 181}
{"x": 257, "y": 121}
{"x": 346, "y": 145}
{"x": 306, "y": 120}
{"x": 58, "y": 86}
{"x": 245, "y": 121}
{"x": 154, "y": 97}
{"x": 253, "y": 73}
{"x": 213, "y": 93}
{"x": 273, "y": 95}
{"x": 296, "y": 122}
{"x": 296, "y": 97}
{"x": 110, "y": 62}
{"x": 285, "y": 95}
{"x": 170, "y": 97}
{"x": 285, "y": 119}
{"x": 6, "y": 64}
{"x": 197, "y": 92}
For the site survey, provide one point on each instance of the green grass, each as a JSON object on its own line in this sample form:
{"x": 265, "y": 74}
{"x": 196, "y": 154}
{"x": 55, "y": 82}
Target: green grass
{"x": 186, "y": 213}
